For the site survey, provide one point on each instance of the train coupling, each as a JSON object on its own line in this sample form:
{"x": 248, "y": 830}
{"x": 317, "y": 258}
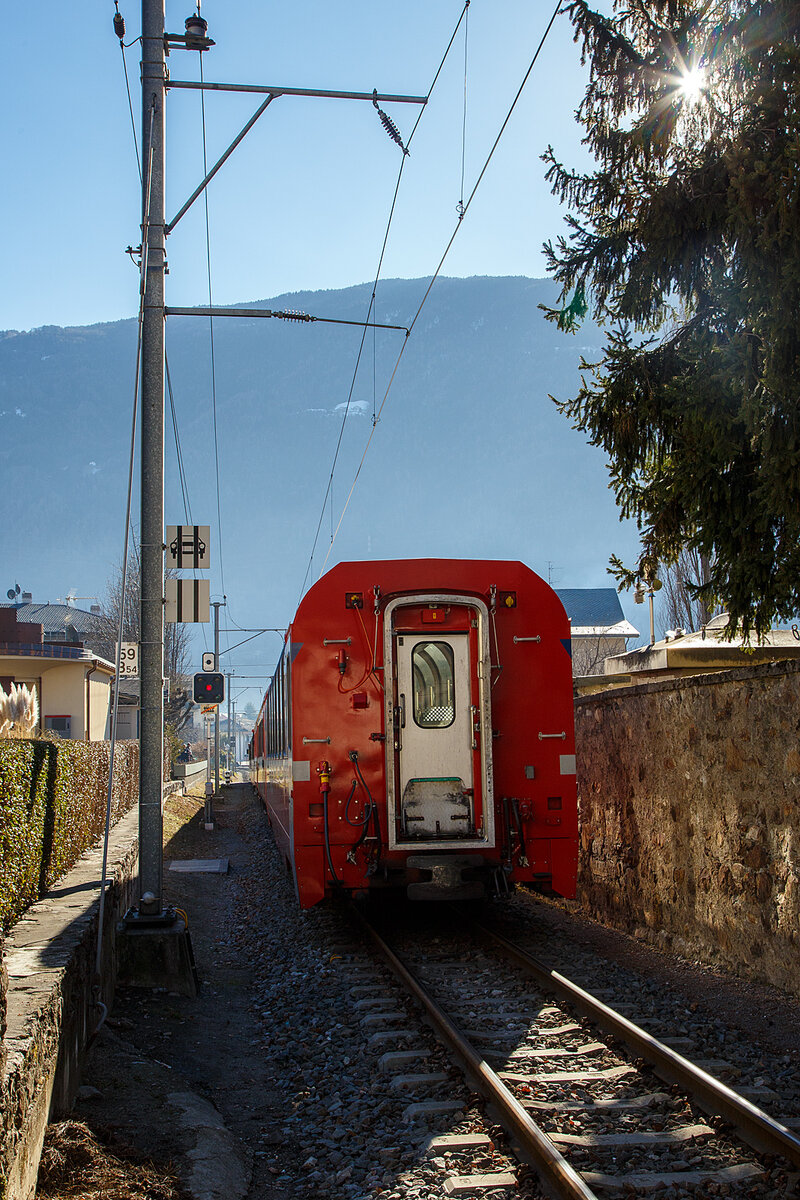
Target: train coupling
{"x": 446, "y": 879}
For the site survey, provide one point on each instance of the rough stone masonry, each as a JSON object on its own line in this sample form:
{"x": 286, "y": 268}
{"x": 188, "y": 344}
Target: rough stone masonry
{"x": 690, "y": 816}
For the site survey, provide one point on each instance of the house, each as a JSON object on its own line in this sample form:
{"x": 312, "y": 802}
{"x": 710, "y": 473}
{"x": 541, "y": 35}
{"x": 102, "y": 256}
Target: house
{"x": 599, "y": 627}
{"x": 73, "y": 685}
{"x": 61, "y": 623}
{"x": 681, "y": 653}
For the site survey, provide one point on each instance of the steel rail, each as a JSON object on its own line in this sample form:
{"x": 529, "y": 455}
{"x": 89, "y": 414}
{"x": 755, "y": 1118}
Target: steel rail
{"x": 756, "y": 1127}
{"x": 558, "y": 1177}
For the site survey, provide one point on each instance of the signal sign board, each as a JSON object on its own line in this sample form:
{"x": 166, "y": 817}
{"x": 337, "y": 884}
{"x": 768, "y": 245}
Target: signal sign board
{"x": 187, "y": 600}
{"x": 187, "y": 547}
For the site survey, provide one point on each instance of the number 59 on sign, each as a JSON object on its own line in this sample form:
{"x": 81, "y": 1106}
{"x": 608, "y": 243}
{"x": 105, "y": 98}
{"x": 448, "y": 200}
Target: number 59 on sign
{"x": 129, "y": 658}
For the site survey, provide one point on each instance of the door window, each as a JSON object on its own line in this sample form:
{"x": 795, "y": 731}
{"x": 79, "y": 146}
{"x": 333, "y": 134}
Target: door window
{"x": 432, "y": 667}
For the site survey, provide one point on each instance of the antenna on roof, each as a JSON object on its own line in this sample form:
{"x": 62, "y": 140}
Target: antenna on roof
{"x": 12, "y": 593}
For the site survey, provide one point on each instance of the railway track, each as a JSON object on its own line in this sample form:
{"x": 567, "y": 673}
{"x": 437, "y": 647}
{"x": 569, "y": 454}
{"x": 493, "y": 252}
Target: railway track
{"x": 595, "y": 1104}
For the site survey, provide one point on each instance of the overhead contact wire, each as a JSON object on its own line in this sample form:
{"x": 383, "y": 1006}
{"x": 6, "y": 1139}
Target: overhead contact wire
{"x": 464, "y": 117}
{"x": 211, "y": 334}
{"x": 437, "y": 272}
{"x": 371, "y": 304}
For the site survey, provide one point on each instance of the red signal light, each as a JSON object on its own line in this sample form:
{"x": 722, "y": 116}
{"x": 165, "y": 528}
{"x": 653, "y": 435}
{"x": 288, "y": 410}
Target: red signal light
{"x": 209, "y": 687}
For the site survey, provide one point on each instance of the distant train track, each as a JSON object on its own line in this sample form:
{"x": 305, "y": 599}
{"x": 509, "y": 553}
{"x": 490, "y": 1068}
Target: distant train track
{"x": 589, "y": 1113}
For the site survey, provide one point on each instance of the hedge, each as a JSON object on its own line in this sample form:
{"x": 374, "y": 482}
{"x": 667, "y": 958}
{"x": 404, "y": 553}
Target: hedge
{"x": 53, "y": 798}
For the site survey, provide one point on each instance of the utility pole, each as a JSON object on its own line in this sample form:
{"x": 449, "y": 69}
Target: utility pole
{"x": 141, "y": 963}
{"x": 152, "y": 469}
{"x": 154, "y": 946}
{"x": 217, "y": 605}
{"x": 230, "y": 772}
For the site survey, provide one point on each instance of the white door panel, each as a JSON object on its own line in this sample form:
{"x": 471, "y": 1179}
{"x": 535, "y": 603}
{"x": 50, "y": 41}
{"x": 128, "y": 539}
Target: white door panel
{"x": 436, "y": 735}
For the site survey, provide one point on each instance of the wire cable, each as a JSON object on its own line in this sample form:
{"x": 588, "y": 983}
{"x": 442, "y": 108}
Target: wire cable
{"x": 120, "y": 627}
{"x": 371, "y": 305}
{"x": 187, "y": 508}
{"x": 119, "y": 29}
{"x": 211, "y": 333}
{"x": 460, "y": 206}
{"x": 437, "y": 272}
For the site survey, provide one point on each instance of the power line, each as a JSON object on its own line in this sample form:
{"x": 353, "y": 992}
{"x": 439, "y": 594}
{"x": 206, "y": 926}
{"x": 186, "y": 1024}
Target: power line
{"x": 211, "y": 333}
{"x": 187, "y": 508}
{"x": 461, "y": 216}
{"x": 328, "y": 490}
{"x": 119, "y": 29}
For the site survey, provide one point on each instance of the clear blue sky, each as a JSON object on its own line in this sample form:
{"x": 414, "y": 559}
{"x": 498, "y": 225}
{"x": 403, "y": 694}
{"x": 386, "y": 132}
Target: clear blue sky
{"x": 303, "y": 203}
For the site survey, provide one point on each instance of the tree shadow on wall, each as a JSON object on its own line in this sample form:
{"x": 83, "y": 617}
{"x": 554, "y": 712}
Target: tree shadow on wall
{"x": 44, "y": 776}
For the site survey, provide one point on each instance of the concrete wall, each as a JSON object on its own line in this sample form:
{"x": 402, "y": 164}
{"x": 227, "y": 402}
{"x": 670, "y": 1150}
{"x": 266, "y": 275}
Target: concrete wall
{"x": 690, "y": 816}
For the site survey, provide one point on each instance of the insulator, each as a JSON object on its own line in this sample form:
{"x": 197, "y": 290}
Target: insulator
{"x": 196, "y": 26}
{"x": 119, "y": 25}
{"x": 387, "y": 123}
{"x": 293, "y": 315}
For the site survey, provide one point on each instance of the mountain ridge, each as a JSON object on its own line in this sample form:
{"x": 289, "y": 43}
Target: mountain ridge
{"x": 470, "y": 458}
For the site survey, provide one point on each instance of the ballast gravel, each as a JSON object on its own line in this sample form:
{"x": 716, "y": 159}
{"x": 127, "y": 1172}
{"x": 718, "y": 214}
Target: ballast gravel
{"x": 287, "y": 1037}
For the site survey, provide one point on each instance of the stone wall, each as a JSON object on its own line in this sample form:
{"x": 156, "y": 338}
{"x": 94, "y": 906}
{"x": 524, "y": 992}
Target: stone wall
{"x": 689, "y": 793}
{"x": 50, "y": 1001}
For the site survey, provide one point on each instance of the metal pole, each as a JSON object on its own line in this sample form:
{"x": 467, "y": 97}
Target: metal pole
{"x": 218, "y": 604}
{"x": 652, "y": 620}
{"x": 230, "y": 772}
{"x": 152, "y": 473}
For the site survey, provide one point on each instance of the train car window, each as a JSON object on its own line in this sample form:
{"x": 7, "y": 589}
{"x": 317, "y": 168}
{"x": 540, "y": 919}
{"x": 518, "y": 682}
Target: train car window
{"x": 288, "y": 669}
{"x": 433, "y": 671}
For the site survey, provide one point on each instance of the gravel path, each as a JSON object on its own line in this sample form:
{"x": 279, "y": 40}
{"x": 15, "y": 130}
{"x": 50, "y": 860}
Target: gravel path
{"x": 267, "y": 1086}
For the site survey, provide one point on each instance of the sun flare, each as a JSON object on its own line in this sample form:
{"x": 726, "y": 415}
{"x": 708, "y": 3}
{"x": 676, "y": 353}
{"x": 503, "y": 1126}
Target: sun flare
{"x": 692, "y": 85}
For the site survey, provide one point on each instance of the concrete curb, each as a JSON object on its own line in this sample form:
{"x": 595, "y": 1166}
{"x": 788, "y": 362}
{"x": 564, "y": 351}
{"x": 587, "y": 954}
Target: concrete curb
{"x": 222, "y": 1166}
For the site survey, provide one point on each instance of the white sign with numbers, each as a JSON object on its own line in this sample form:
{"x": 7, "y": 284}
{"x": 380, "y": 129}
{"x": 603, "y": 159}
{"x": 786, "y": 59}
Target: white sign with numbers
{"x": 129, "y": 659}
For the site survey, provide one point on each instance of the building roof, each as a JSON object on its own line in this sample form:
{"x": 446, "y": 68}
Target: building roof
{"x": 55, "y": 618}
{"x": 595, "y": 612}
{"x": 53, "y": 654}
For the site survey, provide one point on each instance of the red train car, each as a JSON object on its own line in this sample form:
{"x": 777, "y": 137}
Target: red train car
{"x": 418, "y": 733}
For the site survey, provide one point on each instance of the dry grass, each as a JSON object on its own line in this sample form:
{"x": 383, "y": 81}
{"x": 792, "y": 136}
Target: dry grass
{"x": 179, "y": 811}
{"x": 76, "y": 1165}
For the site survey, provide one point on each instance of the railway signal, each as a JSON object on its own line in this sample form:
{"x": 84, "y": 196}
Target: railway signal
{"x": 209, "y": 687}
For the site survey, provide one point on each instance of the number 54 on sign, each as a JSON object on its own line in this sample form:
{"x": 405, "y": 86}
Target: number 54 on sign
{"x": 129, "y": 658}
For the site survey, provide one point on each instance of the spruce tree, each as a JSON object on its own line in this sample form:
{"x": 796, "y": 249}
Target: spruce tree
{"x": 684, "y": 242}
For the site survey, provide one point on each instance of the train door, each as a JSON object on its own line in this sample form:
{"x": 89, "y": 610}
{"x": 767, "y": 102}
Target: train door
{"x": 435, "y": 752}
{"x": 438, "y": 757}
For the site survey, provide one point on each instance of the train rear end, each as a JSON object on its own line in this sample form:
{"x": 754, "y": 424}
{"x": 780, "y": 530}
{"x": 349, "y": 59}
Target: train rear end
{"x": 428, "y": 742}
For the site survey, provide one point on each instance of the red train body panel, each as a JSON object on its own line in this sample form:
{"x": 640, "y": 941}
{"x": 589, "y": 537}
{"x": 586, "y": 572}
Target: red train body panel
{"x": 418, "y": 733}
